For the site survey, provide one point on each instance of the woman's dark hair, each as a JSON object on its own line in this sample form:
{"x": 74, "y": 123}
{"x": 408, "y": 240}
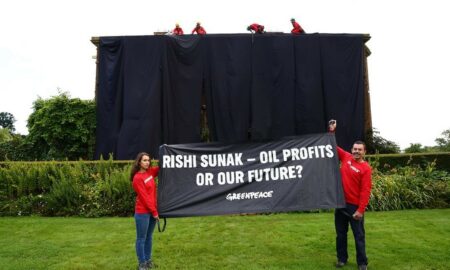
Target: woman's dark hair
{"x": 136, "y": 164}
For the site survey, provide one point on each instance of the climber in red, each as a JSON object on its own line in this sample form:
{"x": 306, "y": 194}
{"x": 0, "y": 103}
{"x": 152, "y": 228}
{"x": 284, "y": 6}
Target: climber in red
{"x": 256, "y": 28}
{"x": 297, "y": 28}
{"x": 178, "y": 31}
{"x": 199, "y": 29}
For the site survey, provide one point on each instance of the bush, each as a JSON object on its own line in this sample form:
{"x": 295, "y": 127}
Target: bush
{"x": 80, "y": 188}
{"x": 103, "y": 188}
{"x": 61, "y": 128}
{"x": 18, "y": 148}
{"x": 110, "y": 193}
{"x": 388, "y": 161}
{"x": 410, "y": 187}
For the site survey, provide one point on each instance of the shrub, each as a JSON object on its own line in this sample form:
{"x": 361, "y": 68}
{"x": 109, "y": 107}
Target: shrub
{"x": 53, "y": 188}
{"x": 103, "y": 188}
{"x": 386, "y": 162}
{"x": 410, "y": 187}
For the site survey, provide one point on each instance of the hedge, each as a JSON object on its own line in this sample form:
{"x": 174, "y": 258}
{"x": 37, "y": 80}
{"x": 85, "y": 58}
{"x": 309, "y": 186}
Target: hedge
{"x": 82, "y": 188}
{"x": 388, "y": 161}
{"x": 103, "y": 188}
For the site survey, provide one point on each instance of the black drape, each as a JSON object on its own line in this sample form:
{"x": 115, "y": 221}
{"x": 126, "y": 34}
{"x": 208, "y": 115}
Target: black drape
{"x": 309, "y": 98}
{"x": 109, "y": 96}
{"x": 182, "y": 88}
{"x": 259, "y": 88}
{"x": 343, "y": 86}
{"x": 227, "y": 88}
{"x": 272, "y": 91}
{"x": 141, "y": 124}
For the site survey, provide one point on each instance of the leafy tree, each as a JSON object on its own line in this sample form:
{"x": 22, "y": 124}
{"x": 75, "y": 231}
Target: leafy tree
{"x": 7, "y": 121}
{"x": 16, "y": 148}
{"x": 444, "y": 141}
{"x": 419, "y": 148}
{"x": 5, "y": 135}
{"x": 415, "y": 148}
{"x": 443, "y": 145}
{"x": 377, "y": 144}
{"x": 62, "y": 128}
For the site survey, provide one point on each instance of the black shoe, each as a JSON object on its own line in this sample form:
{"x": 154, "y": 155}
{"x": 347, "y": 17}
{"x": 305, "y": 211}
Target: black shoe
{"x": 142, "y": 266}
{"x": 150, "y": 264}
{"x": 362, "y": 267}
{"x": 340, "y": 264}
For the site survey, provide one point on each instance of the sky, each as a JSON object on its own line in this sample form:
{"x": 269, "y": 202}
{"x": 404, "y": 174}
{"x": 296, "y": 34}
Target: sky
{"x": 45, "y": 48}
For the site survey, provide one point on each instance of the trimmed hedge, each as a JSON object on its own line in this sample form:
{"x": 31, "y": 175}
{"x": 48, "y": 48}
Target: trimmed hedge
{"x": 83, "y": 188}
{"x": 388, "y": 161}
{"x": 103, "y": 188}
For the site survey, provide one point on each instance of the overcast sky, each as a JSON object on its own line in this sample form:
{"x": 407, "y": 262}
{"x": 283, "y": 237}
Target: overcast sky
{"x": 45, "y": 45}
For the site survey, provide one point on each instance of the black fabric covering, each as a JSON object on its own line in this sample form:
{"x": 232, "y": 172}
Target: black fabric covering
{"x": 182, "y": 89}
{"x": 257, "y": 88}
{"x": 141, "y": 94}
{"x": 109, "y": 96}
{"x": 228, "y": 86}
{"x": 310, "y": 114}
{"x": 273, "y": 89}
{"x": 343, "y": 86}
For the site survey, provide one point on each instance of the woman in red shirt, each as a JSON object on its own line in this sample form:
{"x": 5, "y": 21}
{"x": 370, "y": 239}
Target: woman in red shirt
{"x": 145, "y": 213}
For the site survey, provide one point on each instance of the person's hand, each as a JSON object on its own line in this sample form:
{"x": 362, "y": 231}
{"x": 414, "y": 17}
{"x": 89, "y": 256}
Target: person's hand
{"x": 357, "y": 215}
{"x": 332, "y": 125}
{"x": 157, "y": 218}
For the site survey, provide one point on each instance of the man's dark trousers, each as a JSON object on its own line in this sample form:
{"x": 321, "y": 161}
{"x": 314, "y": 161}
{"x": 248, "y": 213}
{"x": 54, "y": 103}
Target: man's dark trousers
{"x": 342, "y": 217}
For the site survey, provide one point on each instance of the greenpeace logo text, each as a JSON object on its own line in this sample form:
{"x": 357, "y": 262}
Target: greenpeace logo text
{"x": 249, "y": 195}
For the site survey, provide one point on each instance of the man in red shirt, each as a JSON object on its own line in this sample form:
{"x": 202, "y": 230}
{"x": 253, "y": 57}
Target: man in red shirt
{"x": 357, "y": 183}
{"x": 297, "y": 28}
{"x": 256, "y": 28}
{"x": 178, "y": 31}
{"x": 199, "y": 29}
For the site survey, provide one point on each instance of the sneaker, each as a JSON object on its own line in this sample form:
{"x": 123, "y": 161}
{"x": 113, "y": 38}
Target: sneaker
{"x": 340, "y": 264}
{"x": 362, "y": 267}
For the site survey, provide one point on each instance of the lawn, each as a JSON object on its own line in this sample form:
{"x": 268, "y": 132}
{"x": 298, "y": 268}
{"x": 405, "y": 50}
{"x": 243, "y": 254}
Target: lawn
{"x": 412, "y": 239}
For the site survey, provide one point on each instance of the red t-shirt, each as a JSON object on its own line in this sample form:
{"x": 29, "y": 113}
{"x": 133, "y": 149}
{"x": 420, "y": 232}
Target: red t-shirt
{"x": 356, "y": 180}
{"x": 145, "y": 187}
{"x": 258, "y": 28}
{"x": 297, "y": 28}
{"x": 178, "y": 31}
{"x": 200, "y": 30}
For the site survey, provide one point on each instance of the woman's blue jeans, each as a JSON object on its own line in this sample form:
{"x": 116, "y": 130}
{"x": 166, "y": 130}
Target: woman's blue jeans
{"x": 145, "y": 224}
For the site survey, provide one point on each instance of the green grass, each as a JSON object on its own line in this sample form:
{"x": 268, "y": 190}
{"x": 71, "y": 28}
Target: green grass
{"x": 413, "y": 239}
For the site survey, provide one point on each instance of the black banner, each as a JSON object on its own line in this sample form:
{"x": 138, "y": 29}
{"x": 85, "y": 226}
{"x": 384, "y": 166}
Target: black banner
{"x": 300, "y": 173}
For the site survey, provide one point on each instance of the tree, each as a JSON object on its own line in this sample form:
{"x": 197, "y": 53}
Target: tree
{"x": 61, "y": 127}
{"x": 443, "y": 145}
{"x": 415, "y": 148}
{"x": 16, "y": 148}
{"x": 444, "y": 141}
{"x": 7, "y": 121}
{"x": 377, "y": 144}
{"x": 5, "y": 135}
